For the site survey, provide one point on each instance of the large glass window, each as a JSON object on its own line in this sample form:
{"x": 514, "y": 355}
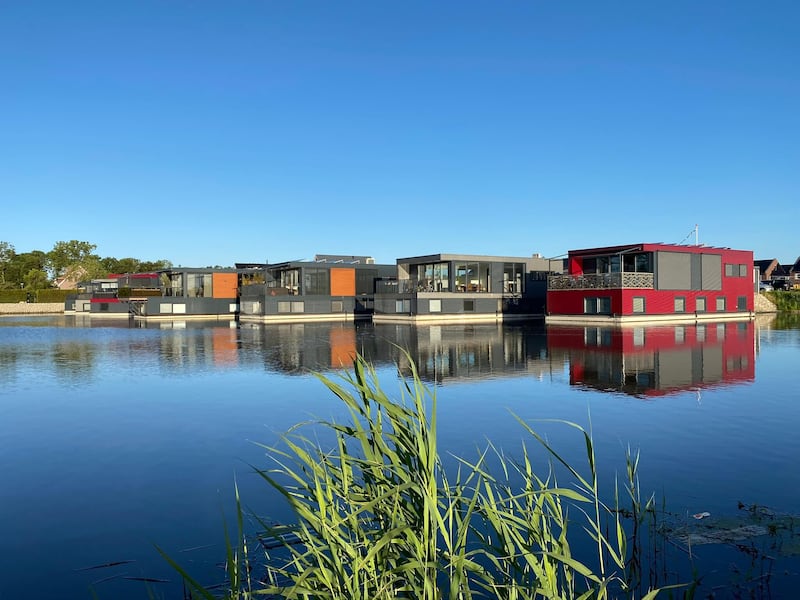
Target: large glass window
{"x": 680, "y": 304}
{"x": 316, "y": 282}
{"x": 641, "y": 262}
{"x": 175, "y": 285}
{"x": 198, "y": 285}
{"x": 433, "y": 277}
{"x": 513, "y": 276}
{"x": 721, "y": 304}
{"x": 472, "y": 277}
{"x": 700, "y": 304}
{"x": 638, "y": 304}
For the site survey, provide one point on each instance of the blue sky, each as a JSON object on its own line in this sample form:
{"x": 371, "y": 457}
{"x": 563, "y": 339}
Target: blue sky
{"x": 215, "y": 132}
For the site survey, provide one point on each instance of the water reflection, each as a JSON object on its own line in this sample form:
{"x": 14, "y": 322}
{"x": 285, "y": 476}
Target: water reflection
{"x": 641, "y": 361}
{"x": 442, "y": 353}
{"x": 653, "y": 361}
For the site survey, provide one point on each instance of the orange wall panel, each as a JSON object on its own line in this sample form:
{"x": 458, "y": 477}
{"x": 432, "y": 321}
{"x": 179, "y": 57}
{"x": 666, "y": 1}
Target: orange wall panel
{"x": 225, "y": 285}
{"x": 343, "y": 282}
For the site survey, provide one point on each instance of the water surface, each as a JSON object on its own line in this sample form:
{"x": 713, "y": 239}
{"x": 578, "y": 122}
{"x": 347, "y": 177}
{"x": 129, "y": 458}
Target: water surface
{"x": 117, "y": 436}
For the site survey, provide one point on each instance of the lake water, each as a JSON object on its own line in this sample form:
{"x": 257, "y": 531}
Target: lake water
{"x": 116, "y": 437}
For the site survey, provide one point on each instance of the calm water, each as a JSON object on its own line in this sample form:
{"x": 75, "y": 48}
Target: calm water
{"x": 114, "y": 438}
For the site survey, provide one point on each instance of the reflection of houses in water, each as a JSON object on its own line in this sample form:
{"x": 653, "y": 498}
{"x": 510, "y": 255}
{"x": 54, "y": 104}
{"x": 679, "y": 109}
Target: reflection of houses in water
{"x": 441, "y": 353}
{"x": 651, "y": 361}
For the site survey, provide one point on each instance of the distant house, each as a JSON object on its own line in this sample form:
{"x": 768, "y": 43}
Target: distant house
{"x": 70, "y": 279}
{"x": 647, "y": 282}
{"x": 793, "y": 274}
{"x": 774, "y": 273}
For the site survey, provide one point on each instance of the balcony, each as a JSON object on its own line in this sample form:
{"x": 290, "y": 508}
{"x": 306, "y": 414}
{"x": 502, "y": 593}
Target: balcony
{"x": 600, "y": 281}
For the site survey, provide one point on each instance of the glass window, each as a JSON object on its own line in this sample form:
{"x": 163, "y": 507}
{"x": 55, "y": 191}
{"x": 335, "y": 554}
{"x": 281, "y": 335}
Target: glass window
{"x": 298, "y": 307}
{"x": 469, "y": 306}
{"x": 721, "y": 304}
{"x": 741, "y": 303}
{"x": 316, "y": 282}
{"x": 337, "y": 306}
{"x": 680, "y": 304}
{"x": 728, "y": 270}
{"x": 175, "y": 285}
{"x": 435, "y": 306}
{"x": 592, "y": 306}
{"x": 638, "y": 304}
{"x": 198, "y": 285}
{"x": 700, "y": 304}
{"x": 742, "y": 270}
{"x": 433, "y": 277}
{"x": 284, "y": 307}
{"x": 402, "y": 306}
{"x": 513, "y": 278}
{"x": 472, "y": 277}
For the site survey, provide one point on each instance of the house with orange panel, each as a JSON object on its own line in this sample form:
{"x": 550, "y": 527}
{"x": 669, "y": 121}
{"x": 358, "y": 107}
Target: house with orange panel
{"x": 207, "y": 293}
{"x": 328, "y": 288}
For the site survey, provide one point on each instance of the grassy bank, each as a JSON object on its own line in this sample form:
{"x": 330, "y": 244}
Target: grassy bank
{"x": 788, "y": 301}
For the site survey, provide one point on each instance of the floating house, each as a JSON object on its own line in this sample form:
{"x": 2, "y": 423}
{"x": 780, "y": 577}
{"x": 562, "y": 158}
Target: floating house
{"x": 652, "y": 282}
{"x": 182, "y": 293}
{"x": 329, "y": 288}
{"x": 464, "y": 287}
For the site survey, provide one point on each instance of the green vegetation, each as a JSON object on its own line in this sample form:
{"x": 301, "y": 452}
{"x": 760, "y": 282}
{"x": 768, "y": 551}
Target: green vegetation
{"x": 785, "y": 300}
{"x": 378, "y": 516}
{"x": 36, "y": 270}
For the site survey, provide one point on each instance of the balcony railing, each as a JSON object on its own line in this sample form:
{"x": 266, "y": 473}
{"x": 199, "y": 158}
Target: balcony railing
{"x": 600, "y": 281}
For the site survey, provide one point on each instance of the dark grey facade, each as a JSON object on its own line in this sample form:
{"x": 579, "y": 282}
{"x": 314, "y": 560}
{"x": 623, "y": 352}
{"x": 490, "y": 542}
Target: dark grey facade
{"x": 324, "y": 289}
{"x": 465, "y": 287}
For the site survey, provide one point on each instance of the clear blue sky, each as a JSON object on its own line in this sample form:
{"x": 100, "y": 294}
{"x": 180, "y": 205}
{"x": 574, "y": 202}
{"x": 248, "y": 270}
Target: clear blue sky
{"x": 215, "y": 132}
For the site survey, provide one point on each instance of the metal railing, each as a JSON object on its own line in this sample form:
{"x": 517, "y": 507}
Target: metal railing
{"x": 595, "y": 281}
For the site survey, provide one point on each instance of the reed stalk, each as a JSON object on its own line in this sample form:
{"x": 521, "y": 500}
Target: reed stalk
{"x": 378, "y": 517}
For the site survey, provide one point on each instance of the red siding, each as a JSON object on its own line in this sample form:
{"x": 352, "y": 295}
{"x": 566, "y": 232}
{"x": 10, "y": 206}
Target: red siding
{"x": 662, "y": 302}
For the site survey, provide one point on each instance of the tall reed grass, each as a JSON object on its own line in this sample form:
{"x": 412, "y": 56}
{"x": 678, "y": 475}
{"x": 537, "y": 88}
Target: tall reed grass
{"x": 379, "y": 517}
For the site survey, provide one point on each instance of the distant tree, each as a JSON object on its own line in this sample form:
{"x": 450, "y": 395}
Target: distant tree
{"x": 6, "y": 256}
{"x": 65, "y": 254}
{"x": 36, "y": 279}
{"x": 21, "y": 264}
{"x": 88, "y": 268}
{"x": 156, "y": 265}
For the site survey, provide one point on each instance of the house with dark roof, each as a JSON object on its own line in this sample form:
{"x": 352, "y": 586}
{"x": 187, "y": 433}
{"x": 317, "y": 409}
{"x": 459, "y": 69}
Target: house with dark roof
{"x": 793, "y": 274}
{"x": 651, "y": 282}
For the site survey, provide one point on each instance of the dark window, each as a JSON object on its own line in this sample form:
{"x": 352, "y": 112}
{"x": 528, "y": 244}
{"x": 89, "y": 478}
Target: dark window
{"x": 741, "y": 303}
{"x": 469, "y": 306}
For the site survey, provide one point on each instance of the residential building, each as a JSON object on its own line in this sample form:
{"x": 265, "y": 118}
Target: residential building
{"x": 329, "y": 288}
{"x": 649, "y": 282}
{"x": 464, "y": 287}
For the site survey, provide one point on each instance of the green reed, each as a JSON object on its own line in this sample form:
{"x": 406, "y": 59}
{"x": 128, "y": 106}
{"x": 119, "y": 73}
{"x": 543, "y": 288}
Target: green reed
{"x": 377, "y": 515}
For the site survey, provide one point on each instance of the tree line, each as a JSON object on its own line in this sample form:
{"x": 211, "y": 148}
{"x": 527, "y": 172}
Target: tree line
{"x": 73, "y": 259}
